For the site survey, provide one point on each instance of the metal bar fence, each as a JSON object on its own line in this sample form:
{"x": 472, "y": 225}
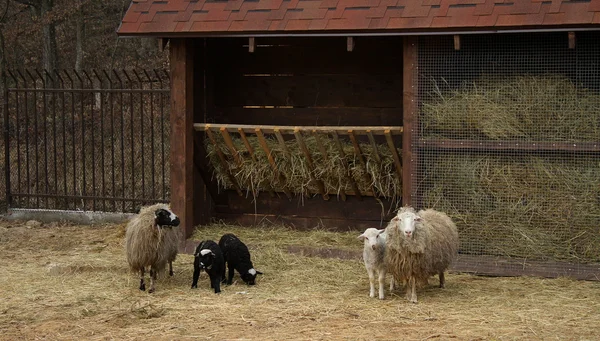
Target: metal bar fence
{"x": 86, "y": 140}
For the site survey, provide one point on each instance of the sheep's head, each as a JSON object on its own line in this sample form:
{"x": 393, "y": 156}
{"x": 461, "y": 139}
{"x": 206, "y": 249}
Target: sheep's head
{"x": 371, "y": 237}
{"x": 406, "y": 221}
{"x": 166, "y": 218}
{"x": 250, "y": 276}
{"x": 204, "y": 259}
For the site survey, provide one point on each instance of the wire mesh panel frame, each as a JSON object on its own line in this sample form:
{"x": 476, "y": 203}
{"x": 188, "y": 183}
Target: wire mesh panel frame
{"x": 91, "y": 140}
{"x": 508, "y": 145}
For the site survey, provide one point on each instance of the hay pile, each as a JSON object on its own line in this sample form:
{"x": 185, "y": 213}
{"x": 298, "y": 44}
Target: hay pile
{"x": 256, "y": 176}
{"x": 537, "y": 207}
{"x": 531, "y": 108}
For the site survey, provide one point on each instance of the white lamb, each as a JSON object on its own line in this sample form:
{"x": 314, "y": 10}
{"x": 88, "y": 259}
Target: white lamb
{"x": 374, "y": 258}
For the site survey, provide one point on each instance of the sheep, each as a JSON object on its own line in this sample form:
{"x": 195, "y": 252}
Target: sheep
{"x": 152, "y": 240}
{"x": 208, "y": 256}
{"x": 373, "y": 256}
{"x": 419, "y": 245}
{"x": 237, "y": 257}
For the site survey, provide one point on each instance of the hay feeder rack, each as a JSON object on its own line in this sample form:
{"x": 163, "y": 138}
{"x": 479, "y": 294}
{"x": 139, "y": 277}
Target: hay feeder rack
{"x": 355, "y": 150}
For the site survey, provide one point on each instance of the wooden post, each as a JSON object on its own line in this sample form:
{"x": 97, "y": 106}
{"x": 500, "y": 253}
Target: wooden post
{"x": 572, "y": 40}
{"x": 350, "y": 44}
{"x": 456, "y": 42}
{"x": 182, "y": 134}
{"x": 409, "y": 118}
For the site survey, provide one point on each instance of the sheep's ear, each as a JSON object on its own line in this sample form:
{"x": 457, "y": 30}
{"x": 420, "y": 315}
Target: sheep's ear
{"x": 380, "y": 232}
{"x": 361, "y": 237}
{"x": 258, "y": 272}
{"x": 417, "y": 218}
{"x": 395, "y": 219}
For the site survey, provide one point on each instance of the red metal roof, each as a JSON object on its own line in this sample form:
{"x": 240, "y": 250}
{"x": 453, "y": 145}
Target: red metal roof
{"x": 166, "y": 18}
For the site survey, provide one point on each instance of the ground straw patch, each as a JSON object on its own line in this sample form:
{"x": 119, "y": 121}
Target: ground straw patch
{"x": 297, "y": 298}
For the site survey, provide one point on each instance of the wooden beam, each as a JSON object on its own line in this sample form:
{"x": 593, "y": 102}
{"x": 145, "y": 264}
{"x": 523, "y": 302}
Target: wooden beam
{"x": 410, "y": 113}
{"x": 350, "y": 44}
{"x": 251, "y": 44}
{"x": 162, "y": 44}
{"x": 456, "y": 42}
{"x": 270, "y": 129}
{"x": 182, "y": 134}
{"x": 540, "y": 146}
{"x": 572, "y": 40}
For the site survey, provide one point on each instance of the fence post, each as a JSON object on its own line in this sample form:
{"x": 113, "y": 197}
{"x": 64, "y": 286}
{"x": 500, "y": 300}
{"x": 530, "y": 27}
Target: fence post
{"x": 6, "y": 139}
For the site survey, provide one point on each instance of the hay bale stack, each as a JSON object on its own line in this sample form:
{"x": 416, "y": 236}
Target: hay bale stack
{"x": 257, "y": 176}
{"x": 531, "y": 108}
{"x": 537, "y": 207}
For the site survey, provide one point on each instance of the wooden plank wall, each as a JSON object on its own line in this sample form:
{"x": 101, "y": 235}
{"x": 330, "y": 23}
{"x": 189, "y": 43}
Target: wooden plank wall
{"x": 308, "y": 82}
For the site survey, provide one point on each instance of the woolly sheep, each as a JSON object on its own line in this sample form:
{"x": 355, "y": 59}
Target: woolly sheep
{"x": 151, "y": 240}
{"x": 208, "y": 257}
{"x": 237, "y": 257}
{"x": 419, "y": 245}
{"x": 373, "y": 256}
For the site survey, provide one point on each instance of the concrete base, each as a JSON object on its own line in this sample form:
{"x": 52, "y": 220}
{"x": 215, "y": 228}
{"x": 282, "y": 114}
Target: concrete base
{"x": 76, "y": 217}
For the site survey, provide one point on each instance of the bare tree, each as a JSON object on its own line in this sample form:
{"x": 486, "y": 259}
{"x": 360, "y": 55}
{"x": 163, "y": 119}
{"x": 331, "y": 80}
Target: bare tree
{"x": 80, "y": 34}
{"x": 41, "y": 10}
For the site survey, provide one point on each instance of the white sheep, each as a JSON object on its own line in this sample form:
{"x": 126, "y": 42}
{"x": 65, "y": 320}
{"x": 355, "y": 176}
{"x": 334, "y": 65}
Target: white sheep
{"x": 151, "y": 240}
{"x": 419, "y": 245}
{"x": 373, "y": 256}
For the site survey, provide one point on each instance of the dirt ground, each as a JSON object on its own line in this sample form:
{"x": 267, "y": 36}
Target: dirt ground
{"x": 64, "y": 282}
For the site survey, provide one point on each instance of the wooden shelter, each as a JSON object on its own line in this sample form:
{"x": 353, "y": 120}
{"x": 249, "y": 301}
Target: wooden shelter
{"x": 291, "y": 68}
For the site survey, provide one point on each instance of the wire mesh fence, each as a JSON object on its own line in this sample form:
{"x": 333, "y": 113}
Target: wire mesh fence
{"x": 509, "y": 143}
{"x": 86, "y": 140}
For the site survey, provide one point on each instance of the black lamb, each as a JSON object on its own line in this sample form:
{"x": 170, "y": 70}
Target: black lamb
{"x": 208, "y": 256}
{"x": 237, "y": 256}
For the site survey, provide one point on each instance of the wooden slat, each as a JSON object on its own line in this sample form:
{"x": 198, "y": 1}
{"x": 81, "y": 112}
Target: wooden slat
{"x": 448, "y": 144}
{"x": 409, "y": 117}
{"x": 223, "y": 161}
{"x": 270, "y": 129}
{"x": 265, "y": 147}
{"x": 323, "y": 151}
{"x": 375, "y": 55}
{"x": 373, "y": 145}
{"x": 307, "y": 116}
{"x": 361, "y": 158}
{"x": 281, "y": 140}
{"x": 309, "y": 162}
{"x": 373, "y": 91}
{"x": 397, "y": 163}
{"x": 251, "y": 152}
{"x": 230, "y": 146}
{"x": 247, "y": 143}
{"x": 347, "y": 174}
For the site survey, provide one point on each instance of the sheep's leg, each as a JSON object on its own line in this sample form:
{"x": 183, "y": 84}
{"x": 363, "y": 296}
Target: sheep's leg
{"x": 170, "y": 268}
{"x": 142, "y": 284}
{"x": 411, "y": 290}
{"x": 230, "y": 275}
{"x": 381, "y": 284}
{"x": 371, "y": 273}
{"x": 195, "y": 276}
{"x": 392, "y": 284}
{"x": 216, "y": 284}
{"x": 152, "y": 280}
{"x": 442, "y": 279}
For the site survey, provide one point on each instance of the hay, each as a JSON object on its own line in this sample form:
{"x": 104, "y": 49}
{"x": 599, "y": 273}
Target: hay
{"x": 520, "y": 206}
{"x": 257, "y": 176}
{"x": 531, "y": 108}
{"x": 297, "y": 298}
